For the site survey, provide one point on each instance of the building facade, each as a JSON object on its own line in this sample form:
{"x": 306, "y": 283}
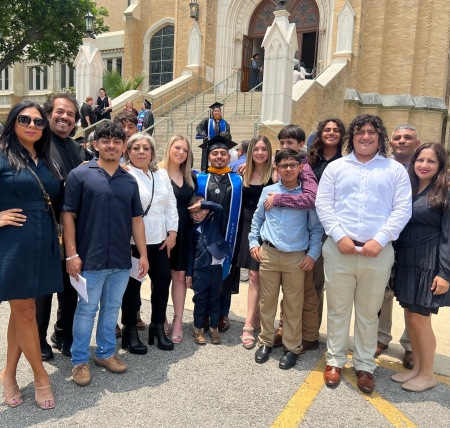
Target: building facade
{"x": 389, "y": 57}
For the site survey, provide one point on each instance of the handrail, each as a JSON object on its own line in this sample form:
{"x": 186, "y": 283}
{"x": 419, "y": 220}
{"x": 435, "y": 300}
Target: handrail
{"x": 205, "y": 111}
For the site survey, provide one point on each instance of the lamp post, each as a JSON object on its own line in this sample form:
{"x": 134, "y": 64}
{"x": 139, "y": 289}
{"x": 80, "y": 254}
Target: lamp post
{"x": 193, "y": 9}
{"x": 89, "y": 21}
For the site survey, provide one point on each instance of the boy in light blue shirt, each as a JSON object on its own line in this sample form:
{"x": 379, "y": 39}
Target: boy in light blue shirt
{"x": 291, "y": 242}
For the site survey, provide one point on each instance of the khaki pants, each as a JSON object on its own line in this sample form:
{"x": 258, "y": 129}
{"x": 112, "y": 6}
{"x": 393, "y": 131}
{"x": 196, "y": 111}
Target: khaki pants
{"x": 282, "y": 268}
{"x": 359, "y": 281}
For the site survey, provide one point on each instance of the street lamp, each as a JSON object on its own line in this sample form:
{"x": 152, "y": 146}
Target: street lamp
{"x": 193, "y": 9}
{"x": 89, "y": 21}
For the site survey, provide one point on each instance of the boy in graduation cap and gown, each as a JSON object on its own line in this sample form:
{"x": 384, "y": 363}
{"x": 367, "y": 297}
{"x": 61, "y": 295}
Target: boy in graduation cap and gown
{"x": 224, "y": 187}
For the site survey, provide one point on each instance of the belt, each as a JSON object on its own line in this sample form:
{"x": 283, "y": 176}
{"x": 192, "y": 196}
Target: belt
{"x": 269, "y": 244}
{"x": 358, "y": 244}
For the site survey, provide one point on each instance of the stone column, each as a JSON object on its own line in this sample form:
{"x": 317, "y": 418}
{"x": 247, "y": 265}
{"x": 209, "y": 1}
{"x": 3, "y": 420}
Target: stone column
{"x": 280, "y": 45}
{"x": 89, "y": 70}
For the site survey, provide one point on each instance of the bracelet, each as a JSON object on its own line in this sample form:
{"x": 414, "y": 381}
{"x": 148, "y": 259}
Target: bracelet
{"x": 72, "y": 257}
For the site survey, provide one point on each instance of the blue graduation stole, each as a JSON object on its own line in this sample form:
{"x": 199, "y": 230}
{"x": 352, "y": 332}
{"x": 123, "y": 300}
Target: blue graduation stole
{"x": 234, "y": 213}
{"x": 211, "y": 130}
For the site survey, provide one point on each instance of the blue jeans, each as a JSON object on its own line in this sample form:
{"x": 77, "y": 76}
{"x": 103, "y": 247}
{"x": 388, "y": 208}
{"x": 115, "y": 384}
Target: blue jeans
{"x": 105, "y": 287}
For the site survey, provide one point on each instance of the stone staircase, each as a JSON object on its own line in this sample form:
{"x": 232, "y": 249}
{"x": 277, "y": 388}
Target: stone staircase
{"x": 238, "y": 110}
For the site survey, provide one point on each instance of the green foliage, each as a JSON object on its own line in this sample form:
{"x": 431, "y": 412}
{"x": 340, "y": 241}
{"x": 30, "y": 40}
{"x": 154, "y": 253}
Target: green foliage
{"x": 45, "y": 31}
{"x": 116, "y": 85}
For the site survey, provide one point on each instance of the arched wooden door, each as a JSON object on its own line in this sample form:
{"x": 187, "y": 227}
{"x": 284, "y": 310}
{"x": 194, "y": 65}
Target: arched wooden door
{"x": 305, "y": 15}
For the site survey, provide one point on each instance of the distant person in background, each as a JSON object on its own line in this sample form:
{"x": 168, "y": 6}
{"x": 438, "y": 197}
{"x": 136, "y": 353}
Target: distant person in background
{"x": 85, "y": 153}
{"x": 103, "y": 107}
{"x": 129, "y": 107}
{"x": 242, "y": 155}
{"x": 145, "y": 118}
{"x": 303, "y": 71}
{"x": 297, "y": 76}
{"x": 88, "y": 116}
{"x": 256, "y": 70}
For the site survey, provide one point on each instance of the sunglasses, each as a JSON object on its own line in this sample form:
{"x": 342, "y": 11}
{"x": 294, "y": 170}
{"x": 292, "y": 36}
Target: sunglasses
{"x": 24, "y": 120}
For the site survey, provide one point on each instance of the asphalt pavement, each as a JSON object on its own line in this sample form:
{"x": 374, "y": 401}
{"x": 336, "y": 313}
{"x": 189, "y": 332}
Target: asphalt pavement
{"x": 221, "y": 386}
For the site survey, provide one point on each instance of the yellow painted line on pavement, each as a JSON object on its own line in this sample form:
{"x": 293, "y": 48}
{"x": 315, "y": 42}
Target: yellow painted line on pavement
{"x": 298, "y": 405}
{"x": 389, "y": 411}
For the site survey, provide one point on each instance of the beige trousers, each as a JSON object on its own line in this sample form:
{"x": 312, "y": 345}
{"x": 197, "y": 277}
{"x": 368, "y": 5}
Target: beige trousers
{"x": 354, "y": 280}
{"x": 282, "y": 268}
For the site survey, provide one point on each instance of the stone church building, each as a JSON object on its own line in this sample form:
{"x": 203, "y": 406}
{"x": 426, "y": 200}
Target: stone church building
{"x": 386, "y": 57}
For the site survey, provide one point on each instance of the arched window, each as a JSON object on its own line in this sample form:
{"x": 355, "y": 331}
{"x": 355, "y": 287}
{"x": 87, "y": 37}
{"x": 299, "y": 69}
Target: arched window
{"x": 161, "y": 57}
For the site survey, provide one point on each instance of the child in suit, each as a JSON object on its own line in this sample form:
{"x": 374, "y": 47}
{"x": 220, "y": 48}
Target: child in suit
{"x": 207, "y": 251}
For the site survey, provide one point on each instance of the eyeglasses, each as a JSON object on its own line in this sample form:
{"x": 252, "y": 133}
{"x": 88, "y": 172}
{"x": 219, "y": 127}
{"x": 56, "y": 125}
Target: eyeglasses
{"x": 24, "y": 120}
{"x": 194, "y": 213}
{"x": 291, "y": 165}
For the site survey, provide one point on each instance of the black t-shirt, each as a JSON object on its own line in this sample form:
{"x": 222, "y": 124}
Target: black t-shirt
{"x": 86, "y": 110}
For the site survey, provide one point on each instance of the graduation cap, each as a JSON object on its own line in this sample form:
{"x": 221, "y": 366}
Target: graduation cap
{"x": 217, "y": 142}
{"x": 215, "y": 105}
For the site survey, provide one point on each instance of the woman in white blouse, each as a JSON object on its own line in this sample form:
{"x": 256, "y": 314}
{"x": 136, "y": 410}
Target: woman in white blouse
{"x": 161, "y": 225}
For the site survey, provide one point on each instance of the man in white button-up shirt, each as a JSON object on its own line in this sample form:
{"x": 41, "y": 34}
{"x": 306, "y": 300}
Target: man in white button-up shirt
{"x": 363, "y": 202}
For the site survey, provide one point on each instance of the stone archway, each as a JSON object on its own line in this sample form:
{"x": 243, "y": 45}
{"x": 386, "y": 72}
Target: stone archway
{"x": 233, "y": 22}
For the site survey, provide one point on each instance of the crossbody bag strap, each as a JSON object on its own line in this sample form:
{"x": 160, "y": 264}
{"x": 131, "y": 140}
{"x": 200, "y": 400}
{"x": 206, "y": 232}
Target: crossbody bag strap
{"x": 47, "y": 199}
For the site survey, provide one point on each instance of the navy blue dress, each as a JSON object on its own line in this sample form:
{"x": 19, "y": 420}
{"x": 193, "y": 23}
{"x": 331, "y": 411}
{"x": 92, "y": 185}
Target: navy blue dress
{"x": 30, "y": 264}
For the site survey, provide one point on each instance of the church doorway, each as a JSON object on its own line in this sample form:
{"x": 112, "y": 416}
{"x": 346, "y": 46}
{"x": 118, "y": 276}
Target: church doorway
{"x": 305, "y": 15}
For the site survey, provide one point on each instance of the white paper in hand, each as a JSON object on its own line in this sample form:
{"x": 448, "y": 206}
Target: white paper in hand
{"x": 134, "y": 272}
{"x": 80, "y": 286}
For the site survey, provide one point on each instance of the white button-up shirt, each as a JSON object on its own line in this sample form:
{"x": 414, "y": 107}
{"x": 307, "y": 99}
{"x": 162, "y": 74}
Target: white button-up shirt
{"x": 162, "y": 215}
{"x": 364, "y": 201}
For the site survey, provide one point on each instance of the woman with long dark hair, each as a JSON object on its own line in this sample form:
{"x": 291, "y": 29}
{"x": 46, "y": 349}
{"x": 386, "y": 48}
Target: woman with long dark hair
{"x": 30, "y": 264}
{"x": 326, "y": 148}
{"x": 422, "y": 274}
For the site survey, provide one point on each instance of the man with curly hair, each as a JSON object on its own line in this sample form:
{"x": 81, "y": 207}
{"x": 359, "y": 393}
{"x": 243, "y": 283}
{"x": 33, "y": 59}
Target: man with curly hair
{"x": 363, "y": 203}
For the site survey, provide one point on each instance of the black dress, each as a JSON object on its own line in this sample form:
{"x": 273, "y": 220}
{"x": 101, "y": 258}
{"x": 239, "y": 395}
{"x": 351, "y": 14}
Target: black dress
{"x": 250, "y": 198}
{"x": 179, "y": 253}
{"x": 30, "y": 263}
{"x": 422, "y": 252}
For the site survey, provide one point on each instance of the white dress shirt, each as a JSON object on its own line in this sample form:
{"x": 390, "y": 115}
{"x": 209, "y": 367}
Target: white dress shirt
{"x": 364, "y": 201}
{"x": 162, "y": 215}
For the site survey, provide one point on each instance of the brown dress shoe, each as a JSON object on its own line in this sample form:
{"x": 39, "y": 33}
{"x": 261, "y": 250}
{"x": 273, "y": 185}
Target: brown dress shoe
{"x": 408, "y": 360}
{"x": 380, "y": 347}
{"x": 332, "y": 376}
{"x": 224, "y": 324}
{"x": 309, "y": 345}
{"x": 366, "y": 382}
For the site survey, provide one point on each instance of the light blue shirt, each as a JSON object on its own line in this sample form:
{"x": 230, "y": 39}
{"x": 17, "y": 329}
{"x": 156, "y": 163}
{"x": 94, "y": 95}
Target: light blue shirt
{"x": 288, "y": 229}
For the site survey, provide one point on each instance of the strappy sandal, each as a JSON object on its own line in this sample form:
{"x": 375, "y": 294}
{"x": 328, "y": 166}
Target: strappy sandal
{"x": 248, "y": 342}
{"x": 13, "y": 401}
{"x": 41, "y": 404}
{"x": 177, "y": 338}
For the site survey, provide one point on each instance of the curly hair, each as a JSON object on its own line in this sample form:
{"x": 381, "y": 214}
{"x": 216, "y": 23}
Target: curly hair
{"x": 316, "y": 151}
{"x": 50, "y": 104}
{"x": 438, "y": 195}
{"x": 357, "y": 123}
